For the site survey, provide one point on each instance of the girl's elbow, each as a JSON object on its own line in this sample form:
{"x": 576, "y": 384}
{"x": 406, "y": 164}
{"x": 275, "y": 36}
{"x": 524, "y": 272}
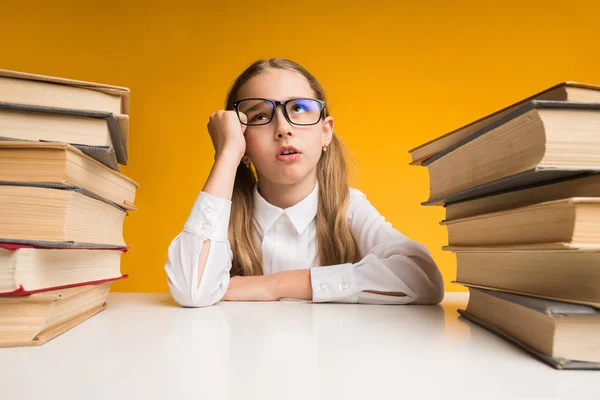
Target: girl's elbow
{"x": 432, "y": 296}
{"x": 432, "y": 289}
{"x": 182, "y": 273}
{"x": 189, "y": 299}
{"x": 188, "y": 292}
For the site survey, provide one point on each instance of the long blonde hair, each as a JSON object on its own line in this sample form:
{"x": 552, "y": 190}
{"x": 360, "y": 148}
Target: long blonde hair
{"x": 335, "y": 243}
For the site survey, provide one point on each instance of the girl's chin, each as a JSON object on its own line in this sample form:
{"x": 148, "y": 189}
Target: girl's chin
{"x": 289, "y": 176}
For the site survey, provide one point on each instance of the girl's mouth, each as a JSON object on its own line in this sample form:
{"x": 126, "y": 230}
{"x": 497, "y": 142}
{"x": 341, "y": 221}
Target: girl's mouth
{"x": 288, "y": 157}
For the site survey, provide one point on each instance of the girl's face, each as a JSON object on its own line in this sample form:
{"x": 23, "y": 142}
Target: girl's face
{"x": 264, "y": 142}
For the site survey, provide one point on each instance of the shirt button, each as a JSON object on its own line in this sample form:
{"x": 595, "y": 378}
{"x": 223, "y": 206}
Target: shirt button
{"x": 322, "y": 287}
{"x": 207, "y": 209}
{"x": 205, "y": 226}
{"x": 343, "y": 286}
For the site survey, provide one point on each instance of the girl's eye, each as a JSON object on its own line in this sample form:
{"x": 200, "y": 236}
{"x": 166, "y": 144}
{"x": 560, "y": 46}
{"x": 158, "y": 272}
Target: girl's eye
{"x": 297, "y": 109}
{"x": 258, "y": 116}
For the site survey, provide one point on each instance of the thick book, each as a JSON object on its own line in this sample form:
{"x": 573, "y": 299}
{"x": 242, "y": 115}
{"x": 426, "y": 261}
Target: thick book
{"x": 565, "y": 91}
{"x": 64, "y": 165}
{"x": 25, "y": 270}
{"x": 58, "y": 215}
{"x": 587, "y": 185}
{"x": 569, "y": 275}
{"x": 531, "y": 177}
{"x": 50, "y": 91}
{"x": 572, "y": 220}
{"x": 543, "y": 140}
{"x": 103, "y": 154}
{"x": 564, "y": 335}
{"x": 36, "y": 319}
{"x": 78, "y": 127}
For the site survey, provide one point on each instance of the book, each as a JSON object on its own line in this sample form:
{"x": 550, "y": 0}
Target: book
{"x": 34, "y": 320}
{"x": 572, "y": 220}
{"x": 561, "y": 332}
{"x": 62, "y": 93}
{"x": 568, "y": 275}
{"x": 78, "y": 127}
{"x": 587, "y": 185}
{"x": 63, "y": 164}
{"x": 26, "y": 270}
{"x": 531, "y": 177}
{"x": 49, "y": 91}
{"x": 564, "y": 91}
{"x": 34, "y": 126}
{"x": 58, "y": 215}
{"x": 543, "y": 135}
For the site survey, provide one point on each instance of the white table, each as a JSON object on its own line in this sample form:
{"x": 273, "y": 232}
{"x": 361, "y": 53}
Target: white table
{"x": 144, "y": 346}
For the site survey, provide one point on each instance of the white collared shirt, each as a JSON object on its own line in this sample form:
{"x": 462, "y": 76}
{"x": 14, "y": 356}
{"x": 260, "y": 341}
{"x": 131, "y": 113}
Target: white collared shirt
{"x": 390, "y": 262}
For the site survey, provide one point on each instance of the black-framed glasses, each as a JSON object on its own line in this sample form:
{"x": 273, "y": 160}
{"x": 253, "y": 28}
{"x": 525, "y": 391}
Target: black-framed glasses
{"x": 300, "y": 111}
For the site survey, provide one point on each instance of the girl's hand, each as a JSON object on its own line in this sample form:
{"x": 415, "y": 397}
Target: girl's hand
{"x": 227, "y": 133}
{"x": 251, "y": 288}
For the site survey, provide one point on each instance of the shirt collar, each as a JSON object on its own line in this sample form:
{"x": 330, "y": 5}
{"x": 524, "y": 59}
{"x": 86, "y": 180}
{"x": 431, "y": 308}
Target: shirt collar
{"x": 300, "y": 214}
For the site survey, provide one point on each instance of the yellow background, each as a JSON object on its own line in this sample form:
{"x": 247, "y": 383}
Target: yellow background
{"x": 396, "y": 76}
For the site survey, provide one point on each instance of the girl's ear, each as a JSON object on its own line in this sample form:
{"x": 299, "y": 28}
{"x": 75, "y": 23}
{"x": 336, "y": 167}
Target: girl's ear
{"x": 327, "y": 131}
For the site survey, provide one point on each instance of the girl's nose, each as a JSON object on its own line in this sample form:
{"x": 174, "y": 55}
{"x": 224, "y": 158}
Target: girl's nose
{"x": 283, "y": 126}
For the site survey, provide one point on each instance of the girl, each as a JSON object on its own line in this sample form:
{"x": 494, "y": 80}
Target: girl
{"x": 289, "y": 226}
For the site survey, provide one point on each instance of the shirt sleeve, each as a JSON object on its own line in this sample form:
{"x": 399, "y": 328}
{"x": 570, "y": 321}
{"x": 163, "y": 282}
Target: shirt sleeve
{"x": 391, "y": 263}
{"x": 208, "y": 220}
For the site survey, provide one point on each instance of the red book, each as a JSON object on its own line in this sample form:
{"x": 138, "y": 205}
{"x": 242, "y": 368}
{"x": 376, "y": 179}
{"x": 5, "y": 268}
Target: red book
{"x": 26, "y": 269}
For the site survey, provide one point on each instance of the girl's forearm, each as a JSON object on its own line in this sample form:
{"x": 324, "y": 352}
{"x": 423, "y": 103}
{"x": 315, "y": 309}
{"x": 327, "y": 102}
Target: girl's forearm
{"x": 293, "y": 284}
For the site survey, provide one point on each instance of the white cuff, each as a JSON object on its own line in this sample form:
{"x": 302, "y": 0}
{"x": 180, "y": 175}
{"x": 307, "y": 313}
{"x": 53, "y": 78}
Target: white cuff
{"x": 333, "y": 283}
{"x": 209, "y": 218}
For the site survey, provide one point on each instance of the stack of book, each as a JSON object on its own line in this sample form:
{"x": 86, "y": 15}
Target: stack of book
{"x": 63, "y": 202}
{"x": 521, "y": 190}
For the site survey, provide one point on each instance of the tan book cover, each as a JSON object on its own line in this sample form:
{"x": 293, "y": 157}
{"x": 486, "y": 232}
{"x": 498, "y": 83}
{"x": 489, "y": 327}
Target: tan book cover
{"x": 587, "y": 185}
{"x": 34, "y": 320}
{"x": 566, "y": 275}
{"x": 62, "y": 93}
{"x": 561, "y": 138}
{"x": 58, "y": 215}
{"x": 27, "y": 269}
{"x": 563, "y": 335}
{"x": 81, "y": 128}
{"x": 572, "y": 220}
{"x": 63, "y": 164}
{"x": 564, "y": 91}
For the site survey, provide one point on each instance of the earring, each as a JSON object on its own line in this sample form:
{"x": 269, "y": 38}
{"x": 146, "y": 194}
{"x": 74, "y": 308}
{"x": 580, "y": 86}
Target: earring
{"x": 246, "y": 161}
{"x": 324, "y": 148}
